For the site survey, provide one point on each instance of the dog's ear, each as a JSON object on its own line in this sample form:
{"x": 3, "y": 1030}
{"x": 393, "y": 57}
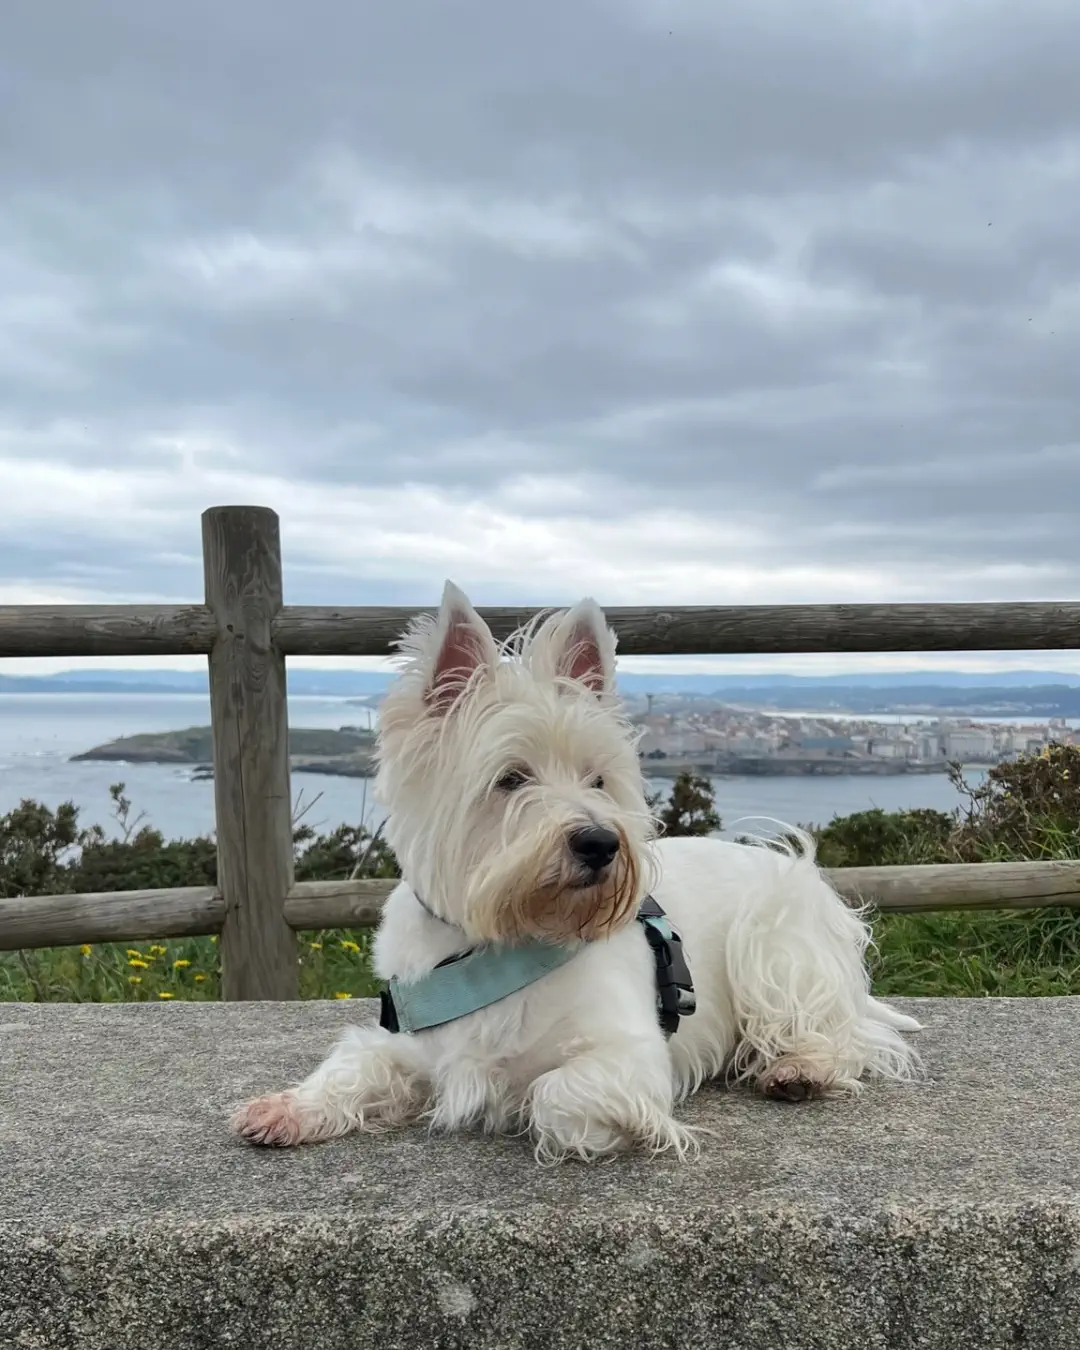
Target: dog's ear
{"x": 578, "y": 645}
{"x": 457, "y": 646}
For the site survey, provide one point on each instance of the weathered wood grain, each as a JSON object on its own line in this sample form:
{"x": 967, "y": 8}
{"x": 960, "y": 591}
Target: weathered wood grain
{"x": 126, "y": 916}
{"x": 116, "y": 630}
{"x": 112, "y": 916}
{"x": 706, "y": 630}
{"x": 163, "y": 630}
{"x": 353, "y": 904}
{"x": 242, "y": 559}
{"x": 1014, "y": 885}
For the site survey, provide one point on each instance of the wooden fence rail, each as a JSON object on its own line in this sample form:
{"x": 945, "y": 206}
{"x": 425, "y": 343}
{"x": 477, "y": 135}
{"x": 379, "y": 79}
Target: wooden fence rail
{"x": 191, "y": 911}
{"x": 246, "y": 632}
{"x": 681, "y": 630}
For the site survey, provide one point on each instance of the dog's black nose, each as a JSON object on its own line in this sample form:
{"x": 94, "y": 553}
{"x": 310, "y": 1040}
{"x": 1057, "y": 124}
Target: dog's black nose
{"x": 595, "y": 846}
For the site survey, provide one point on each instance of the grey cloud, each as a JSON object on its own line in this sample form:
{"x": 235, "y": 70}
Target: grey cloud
{"x": 731, "y": 260}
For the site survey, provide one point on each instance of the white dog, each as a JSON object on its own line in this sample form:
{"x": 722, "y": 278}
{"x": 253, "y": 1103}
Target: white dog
{"x": 518, "y": 815}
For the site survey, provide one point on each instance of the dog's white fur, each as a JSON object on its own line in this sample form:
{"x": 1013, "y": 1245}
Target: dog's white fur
{"x": 578, "y": 1059}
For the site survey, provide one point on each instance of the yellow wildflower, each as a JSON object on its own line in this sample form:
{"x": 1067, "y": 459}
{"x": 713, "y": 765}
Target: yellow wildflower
{"x": 165, "y": 994}
{"x": 343, "y": 995}
{"x": 316, "y": 946}
{"x": 139, "y": 965}
{"x": 158, "y": 951}
{"x": 86, "y": 949}
{"x": 214, "y": 938}
{"x": 350, "y": 946}
{"x": 199, "y": 979}
{"x": 132, "y": 952}
{"x": 181, "y": 965}
{"x": 134, "y": 979}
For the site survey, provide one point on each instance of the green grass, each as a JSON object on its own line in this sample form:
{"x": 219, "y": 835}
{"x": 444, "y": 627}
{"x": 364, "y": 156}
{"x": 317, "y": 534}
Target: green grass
{"x": 1008, "y": 953}
{"x": 333, "y": 964}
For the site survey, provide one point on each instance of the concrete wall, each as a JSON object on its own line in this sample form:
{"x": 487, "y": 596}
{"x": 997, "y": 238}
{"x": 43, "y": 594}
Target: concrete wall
{"x": 945, "y": 1215}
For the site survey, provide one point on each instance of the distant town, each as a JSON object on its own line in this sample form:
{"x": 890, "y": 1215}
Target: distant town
{"x": 723, "y": 733}
{"x": 721, "y": 740}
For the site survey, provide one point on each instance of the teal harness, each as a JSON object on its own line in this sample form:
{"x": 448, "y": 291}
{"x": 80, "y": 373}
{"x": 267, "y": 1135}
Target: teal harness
{"x": 475, "y": 979}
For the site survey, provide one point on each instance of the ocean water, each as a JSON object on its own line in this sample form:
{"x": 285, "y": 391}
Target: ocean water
{"x": 40, "y": 732}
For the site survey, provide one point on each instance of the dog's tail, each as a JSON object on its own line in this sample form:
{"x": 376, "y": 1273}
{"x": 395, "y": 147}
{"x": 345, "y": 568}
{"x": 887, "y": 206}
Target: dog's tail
{"x": 791, "y": 840}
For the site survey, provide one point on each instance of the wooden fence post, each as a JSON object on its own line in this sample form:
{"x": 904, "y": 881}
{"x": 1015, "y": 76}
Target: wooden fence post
{"x": 242, "y": 561}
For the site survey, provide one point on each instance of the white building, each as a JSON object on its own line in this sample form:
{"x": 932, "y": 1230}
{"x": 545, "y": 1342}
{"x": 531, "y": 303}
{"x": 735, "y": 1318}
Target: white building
{"x": 675, "y": 743}
{"x": 969, "y": 745}
{"x": 895, "y": 747}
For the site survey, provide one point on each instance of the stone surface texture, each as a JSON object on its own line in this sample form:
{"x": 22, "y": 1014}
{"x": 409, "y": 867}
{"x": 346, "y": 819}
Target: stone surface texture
{"x": 941, "y": 1215}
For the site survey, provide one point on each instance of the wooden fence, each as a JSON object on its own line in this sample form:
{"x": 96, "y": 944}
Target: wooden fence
{"x": 246, "y": 632}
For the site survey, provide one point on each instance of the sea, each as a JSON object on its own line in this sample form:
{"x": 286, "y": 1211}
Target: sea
{"x": 39, "y": 733}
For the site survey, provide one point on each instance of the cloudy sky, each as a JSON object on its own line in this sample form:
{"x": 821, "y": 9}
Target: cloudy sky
{"x": 667, "y": 300}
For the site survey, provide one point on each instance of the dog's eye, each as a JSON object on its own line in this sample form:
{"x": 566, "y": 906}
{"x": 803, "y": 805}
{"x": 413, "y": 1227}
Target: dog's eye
{"x": 598, "y": 783}
{"x": 512, "y": 780}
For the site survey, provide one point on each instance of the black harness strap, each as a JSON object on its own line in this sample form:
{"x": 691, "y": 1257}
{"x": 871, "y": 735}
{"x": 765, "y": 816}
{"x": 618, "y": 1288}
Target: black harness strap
{"x": 388, "y": 1018}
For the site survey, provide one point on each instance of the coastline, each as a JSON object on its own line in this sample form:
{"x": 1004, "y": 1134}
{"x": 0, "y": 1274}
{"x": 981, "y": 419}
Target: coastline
{"x": 360, "y": 764}
{"x": 775, "y": 766}
{"x": 350, "y": 752}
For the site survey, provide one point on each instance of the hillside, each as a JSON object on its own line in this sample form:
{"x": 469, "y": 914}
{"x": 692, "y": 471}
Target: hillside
{"x": 348, "y": 750}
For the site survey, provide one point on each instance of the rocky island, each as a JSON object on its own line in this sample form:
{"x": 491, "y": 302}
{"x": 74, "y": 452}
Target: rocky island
{"x": 348, "y": 752}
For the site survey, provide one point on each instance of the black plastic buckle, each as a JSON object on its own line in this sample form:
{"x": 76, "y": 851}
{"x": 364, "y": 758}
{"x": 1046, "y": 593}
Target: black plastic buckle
{"x": 675, "y": 997}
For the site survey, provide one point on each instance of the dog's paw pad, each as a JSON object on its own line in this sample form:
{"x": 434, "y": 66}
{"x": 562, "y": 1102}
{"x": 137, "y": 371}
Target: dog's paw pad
{"x": 270, "y": 1122}
{"x": 788, "y": 1083}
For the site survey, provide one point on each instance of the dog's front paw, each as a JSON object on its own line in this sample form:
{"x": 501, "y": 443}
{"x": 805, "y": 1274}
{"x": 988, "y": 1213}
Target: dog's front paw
{"x": 270, "y": 1122}
{"x": 584, "y": 1109}
{"x": 559, "y": 1135}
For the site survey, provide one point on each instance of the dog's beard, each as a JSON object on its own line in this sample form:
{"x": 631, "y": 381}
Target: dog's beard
{"x": 555, "y": 900}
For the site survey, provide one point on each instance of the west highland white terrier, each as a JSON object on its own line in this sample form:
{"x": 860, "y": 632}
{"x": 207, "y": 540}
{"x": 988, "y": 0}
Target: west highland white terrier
{"x": 524, "y": 988}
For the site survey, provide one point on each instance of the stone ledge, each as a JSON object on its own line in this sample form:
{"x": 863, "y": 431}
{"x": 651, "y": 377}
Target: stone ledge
{"x": 941, "y": 1215}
